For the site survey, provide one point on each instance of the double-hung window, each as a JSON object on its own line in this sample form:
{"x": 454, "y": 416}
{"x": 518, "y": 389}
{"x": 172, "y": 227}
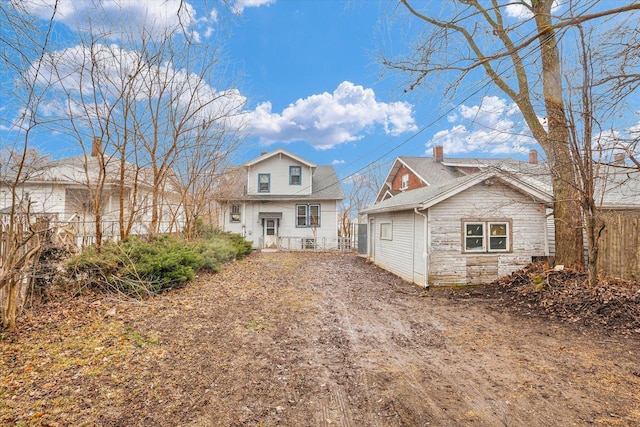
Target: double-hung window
{"x": 405, "y": 182}
{"x": 264, "y": 182}
{"x": 295, "y": 175}
{"x": 486, "y": 236}
{"x": 235, "y": 213}
{"x": 307, "y": 215}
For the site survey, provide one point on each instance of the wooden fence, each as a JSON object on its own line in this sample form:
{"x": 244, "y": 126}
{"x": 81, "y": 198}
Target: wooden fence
{"x": 620, "y": 245}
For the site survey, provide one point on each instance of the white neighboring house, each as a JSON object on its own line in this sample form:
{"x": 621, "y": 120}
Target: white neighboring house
{"x": 440, "y": 221}
{"x": 281, "y": 201}
{"x": 61, "y": 190}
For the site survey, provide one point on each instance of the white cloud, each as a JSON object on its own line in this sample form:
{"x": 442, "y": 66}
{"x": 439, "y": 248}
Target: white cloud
{"x": 329, "y": 119}
{"x": 493, "y": 127}
{"x": 71, "y": 71}
{"x": 337, "y": 162}
{"x": 118, "y": 19}
{"x": 241, "y": 5}
{"x": 517, "y": 10}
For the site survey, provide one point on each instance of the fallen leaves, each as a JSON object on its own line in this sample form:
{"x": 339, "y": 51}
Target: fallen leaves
{"x": 613, "y": 304}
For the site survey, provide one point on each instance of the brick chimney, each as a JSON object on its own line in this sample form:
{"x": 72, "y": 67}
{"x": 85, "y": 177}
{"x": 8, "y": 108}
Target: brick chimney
{"x": 618, "y": 159}
{"x": 96, "y": 146}
{"x": 438, "y": 153}
{"x": 533, "y": 157}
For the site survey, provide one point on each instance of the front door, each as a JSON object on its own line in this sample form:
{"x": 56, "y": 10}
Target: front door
{"x": 270, "y": 233}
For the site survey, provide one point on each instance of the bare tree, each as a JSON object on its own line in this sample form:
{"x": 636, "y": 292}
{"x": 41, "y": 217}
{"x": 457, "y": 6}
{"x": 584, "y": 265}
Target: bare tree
{"x": 361, "y": 190}
{"x": 159, "y": 123}
{"x": 521, "y": 57}
{"x": 19, "y": 239}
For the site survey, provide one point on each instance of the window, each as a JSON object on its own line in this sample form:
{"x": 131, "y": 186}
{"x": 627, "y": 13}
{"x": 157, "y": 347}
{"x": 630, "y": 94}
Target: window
{"x": 295, "y": 175}
{"x": 474, "y": 237}
{"x": 271, "y": 227}
{"x": 386, "y": 231}
{"x": 486, "y": 236}
{"x": 405, "y": 181}
{"x": 235, "y": 213}
{"x": 307, "y": 215}
{"x": 264, "y": 182}
{"x": 498, "y": 237}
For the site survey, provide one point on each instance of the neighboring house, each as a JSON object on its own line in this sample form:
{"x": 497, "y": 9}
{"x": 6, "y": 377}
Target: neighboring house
{"x": 281, "y": 201}
{"x": 62, "y": 190}
{"x": 440, "y": 221}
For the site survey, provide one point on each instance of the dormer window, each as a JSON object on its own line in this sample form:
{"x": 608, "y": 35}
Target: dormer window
{"x": 295, "y": 175}
{"x": 264, "y": 182}
{"x": 405, "y": 182}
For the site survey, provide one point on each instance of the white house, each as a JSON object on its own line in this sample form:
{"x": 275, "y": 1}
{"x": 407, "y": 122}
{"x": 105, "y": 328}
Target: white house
{"x": 63, "y": 190}
{"x": 281, "y": 201}
{"x": 440, "y": 221}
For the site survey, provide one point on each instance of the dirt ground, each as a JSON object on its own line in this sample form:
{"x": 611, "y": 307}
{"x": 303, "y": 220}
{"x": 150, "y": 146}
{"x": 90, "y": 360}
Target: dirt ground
{"x": 312, "y": 339}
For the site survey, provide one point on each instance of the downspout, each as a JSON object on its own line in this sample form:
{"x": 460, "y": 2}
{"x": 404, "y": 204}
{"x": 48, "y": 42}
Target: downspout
{"x": 425, "y": 253}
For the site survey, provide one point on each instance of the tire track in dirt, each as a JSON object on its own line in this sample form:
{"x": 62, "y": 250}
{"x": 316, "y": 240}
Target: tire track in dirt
{"x": 324, "y": 339}
{"x": 403, "y": 359}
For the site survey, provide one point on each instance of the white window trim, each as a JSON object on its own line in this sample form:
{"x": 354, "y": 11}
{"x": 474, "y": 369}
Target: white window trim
{"x": 386, "y": 230}
{"x": 486, "y": 238}
{"x": 508, "y": 241}
{"x": 405, "y": 183}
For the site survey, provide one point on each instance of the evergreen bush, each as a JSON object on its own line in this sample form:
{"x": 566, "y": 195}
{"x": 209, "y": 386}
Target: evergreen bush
{"x": 138, "y": 266}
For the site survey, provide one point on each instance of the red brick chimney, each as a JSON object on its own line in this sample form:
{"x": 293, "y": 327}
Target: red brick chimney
{"x": 618, "y": 159}
{"x": 533, "y": 157}
{"x": 438, "y": 153}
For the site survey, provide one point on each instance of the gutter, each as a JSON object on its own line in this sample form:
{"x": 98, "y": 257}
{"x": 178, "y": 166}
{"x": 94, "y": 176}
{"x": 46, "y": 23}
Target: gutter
{"x": 425, "y": 252}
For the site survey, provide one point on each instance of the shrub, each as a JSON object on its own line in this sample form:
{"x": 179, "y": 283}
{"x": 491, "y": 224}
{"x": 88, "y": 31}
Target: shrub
{"x": 219, "y": 248}
{"x": 164, "y": 262}
{"x": 137, "y": 266}
{"x": 215, "y": 252}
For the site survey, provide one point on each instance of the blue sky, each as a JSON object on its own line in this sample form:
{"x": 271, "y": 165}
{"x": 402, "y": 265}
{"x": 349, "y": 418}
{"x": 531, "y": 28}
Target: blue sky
{"x": 308, "y": 73}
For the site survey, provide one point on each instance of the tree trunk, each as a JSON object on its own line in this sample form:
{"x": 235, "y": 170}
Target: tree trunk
{"x": 566, "y": 209}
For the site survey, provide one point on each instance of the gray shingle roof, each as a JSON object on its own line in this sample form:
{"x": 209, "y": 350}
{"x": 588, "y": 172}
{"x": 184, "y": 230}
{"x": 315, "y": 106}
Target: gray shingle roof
{"x": 617, "y": 187}
{"x": 414, "y": 198}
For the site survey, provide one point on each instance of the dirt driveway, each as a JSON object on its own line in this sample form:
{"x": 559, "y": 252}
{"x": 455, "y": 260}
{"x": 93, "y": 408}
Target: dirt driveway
{"x": 306, "y": 339}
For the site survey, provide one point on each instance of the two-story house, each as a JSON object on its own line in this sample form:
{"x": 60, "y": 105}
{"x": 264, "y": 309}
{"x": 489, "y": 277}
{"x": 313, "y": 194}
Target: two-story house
{"x": 281, "y": 201}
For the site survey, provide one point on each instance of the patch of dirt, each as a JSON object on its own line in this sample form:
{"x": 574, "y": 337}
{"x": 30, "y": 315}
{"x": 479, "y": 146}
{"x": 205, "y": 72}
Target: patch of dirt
{"x": 314, "y": 339}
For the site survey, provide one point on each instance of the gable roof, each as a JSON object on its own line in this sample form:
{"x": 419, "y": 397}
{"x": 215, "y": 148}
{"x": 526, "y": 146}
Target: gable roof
{"x": 425, "y": 197}
{"x": 432, "y": 172}
{"x": 279, "y": 151}
{"x": 617, "y": 185}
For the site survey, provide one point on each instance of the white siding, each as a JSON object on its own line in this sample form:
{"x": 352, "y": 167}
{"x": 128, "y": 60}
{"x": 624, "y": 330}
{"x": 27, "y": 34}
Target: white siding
{"x": 278, "y": 168}
{"x": 449, "y": 265}
{"x": 45, "y": 198}
{"x": 326, "y": 233}
{"x": 419, "y": 256}
{"x": 396, "y": 255}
